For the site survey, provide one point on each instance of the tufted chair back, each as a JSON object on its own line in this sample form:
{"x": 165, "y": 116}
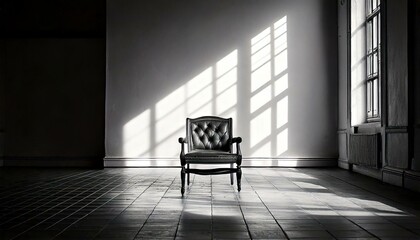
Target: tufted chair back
{"x": 211, "y": 133}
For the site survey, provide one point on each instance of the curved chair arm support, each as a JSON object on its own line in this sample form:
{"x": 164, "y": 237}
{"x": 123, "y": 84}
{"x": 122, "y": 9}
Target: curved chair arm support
{"x": 238, "y": 140}
{"x": 182, "y": 154}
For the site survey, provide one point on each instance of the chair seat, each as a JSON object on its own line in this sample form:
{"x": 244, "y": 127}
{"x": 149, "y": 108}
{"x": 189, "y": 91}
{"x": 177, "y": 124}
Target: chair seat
{"x": 210, "y": 157}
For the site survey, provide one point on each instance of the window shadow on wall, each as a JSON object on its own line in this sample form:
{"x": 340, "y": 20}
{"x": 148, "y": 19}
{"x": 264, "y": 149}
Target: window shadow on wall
{"x": 258, "y": 101}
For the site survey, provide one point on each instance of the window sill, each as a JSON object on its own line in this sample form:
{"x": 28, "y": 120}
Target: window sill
{"x": 374, "y": 119}
{"x": 368, "y": 127}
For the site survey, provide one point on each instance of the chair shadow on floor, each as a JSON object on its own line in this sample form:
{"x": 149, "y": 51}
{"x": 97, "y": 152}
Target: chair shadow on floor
{"x": 203, "y": 226}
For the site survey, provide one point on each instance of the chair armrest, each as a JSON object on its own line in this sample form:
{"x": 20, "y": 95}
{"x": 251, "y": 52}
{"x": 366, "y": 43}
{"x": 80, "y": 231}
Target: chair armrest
{"x": 182, "y": 140}
{"x": 237, "y": 140}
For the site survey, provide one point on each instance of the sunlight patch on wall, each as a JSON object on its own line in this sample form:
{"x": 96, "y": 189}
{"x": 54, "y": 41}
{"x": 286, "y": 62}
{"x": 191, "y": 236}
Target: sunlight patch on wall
{"x": 226, "y": 101}
{"x": 168, "y": 110}
{"x": 260, "y": 59}
{"x": 261, "y": 98}
{"x": 282, "y": 142}
{"x": 154, "y": 133}
{"x": 281, "y": 85}
{"x": 262, "y": 149}
{"x": 280, "y": 46}
{"x": 282, "y": 107}
{"x": 282, "y": 120}
{"x": 226, "y": 88}
{"x": 201, "y": 103}
{"x": 135, "y": 133}
{"x": 227, "y": 64}
{"x": 260, "y": 127}
{"x": 269, "y": 83}
{"x": 199, "y": 93}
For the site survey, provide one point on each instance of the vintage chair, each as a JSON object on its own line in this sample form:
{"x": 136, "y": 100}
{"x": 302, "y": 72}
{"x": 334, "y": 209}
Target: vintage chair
{"x": 209, "y": 141}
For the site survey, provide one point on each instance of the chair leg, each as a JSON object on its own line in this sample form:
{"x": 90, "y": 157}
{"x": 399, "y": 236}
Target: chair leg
{"x": 182, "y": 180}
{"x": 238, "y": 178}
{"x": 231, "y": 175}
{"x": 188, "y": 175}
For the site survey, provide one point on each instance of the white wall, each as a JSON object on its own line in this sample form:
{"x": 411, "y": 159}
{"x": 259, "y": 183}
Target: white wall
{"x": 167, "y": 61}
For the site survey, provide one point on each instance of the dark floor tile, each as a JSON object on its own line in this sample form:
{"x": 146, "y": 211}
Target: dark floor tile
{"x": 37, "y": 235}
{"x": 311, "y": 234}
{"x": 350, "y": 234}
{"x": 194, "y": 234}
{"x": 230, "y": 235}
{"x": 302, "y": 226}
{"x": 156, "y": 233}
{"x": 116, "y": 235}
{"x": 386, "y": 233}
{"x": 233, "y": 227}
{"x": 77, "y": 234}
{"x": 267, "y": 234}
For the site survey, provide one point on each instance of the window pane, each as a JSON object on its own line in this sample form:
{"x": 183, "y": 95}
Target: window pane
{"x": 368, "y": 63}
{"x": 369, "y": 98}
{"x": 379, "y": 29}
{"x": 375, "y": 97}
{"x": 369, "y": 36}
{"x": 374, "y": 4}
{"x": 375, "y": 32}
{"x": 375, "y": 63}
{"x": 368, "y": 7}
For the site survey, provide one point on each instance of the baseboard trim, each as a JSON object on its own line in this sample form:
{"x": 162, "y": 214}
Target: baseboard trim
{"x": 412, "y": 180}
{"x": 412, "y": 174}
{"x": 371, "y": 172}
{"x": 90, "y": 162}
{"x": 246, "y": 162}
{"x": 394, "y": 176}
{"x": 343, "y": 163}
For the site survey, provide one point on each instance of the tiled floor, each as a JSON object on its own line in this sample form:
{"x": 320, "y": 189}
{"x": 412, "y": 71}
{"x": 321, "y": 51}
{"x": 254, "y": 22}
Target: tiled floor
{"x": 140, "y": 203}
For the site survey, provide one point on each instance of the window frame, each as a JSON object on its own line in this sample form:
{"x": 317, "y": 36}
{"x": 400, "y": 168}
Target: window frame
{"x": 373, "y": 58}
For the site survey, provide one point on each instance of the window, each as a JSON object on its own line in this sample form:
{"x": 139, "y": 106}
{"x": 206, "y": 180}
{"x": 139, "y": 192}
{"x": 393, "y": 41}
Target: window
{"x": 373, "y": 59}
